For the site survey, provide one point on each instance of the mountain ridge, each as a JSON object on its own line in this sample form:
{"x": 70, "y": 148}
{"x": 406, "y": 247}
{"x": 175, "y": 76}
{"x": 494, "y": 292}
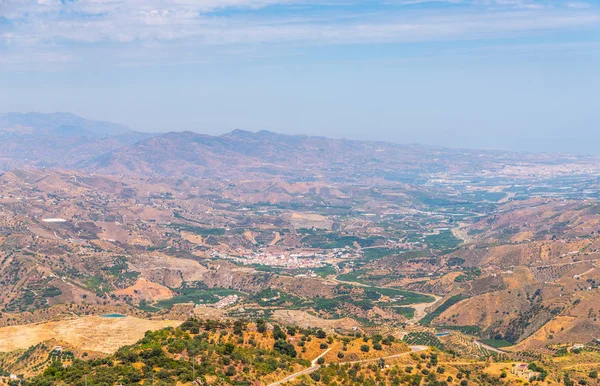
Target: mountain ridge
{"x": 67, "y": 141}
{"x": 54, "y": 123}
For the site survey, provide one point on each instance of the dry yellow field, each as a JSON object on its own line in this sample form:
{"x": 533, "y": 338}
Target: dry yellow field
{"x": 89, "y": 333}
{"x": 308, "y": 220}
{"x": 306, "y": 320}
{"x": 147, "y": 290}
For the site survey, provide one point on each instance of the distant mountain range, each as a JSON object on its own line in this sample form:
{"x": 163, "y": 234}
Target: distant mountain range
{"x": 58, "y": 124}
{"x": 58, "y": 140}
{"x": 67, "y": 141}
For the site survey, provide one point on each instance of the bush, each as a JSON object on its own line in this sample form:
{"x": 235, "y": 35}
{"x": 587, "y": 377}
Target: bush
{"x": 261, "y": 326}
{"x": 568, "y": 381}
{"x": 278, "y": 333}
{"x": 365, "y": 348}
{"x": 285, "y": 347}
{"x": 230, "y": 371}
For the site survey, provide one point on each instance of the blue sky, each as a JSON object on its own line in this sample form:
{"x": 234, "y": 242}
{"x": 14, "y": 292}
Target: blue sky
{"x": 508, "y": 74}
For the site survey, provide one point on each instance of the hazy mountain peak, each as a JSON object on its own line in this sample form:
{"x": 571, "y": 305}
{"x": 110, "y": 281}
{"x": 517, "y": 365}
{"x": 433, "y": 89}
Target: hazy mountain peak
{"x": 63, "y": 124}
{"x": 239, "y": 133}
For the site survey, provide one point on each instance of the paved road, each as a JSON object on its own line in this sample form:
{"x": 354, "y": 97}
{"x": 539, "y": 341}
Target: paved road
{"x": 419, "y": 307}
{"x": 314, "y": 366}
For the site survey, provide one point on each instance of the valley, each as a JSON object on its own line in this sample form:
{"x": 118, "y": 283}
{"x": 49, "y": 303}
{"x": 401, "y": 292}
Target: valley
{"x": 484, "y": 259}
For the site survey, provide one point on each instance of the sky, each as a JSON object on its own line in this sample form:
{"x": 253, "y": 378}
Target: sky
{"x": 493, "y": 74}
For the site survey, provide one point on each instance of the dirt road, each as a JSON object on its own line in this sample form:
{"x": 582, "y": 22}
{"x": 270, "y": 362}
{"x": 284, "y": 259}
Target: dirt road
{"x": 420, "y": 308}
{"x": 314, "y": 366}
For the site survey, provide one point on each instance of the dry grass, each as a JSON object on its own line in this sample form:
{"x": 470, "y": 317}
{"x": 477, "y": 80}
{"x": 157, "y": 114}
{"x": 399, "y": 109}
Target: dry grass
{"x": 306, "y": 320}
{"x": 146, "y": 290}
{"x": 90, "y": 333}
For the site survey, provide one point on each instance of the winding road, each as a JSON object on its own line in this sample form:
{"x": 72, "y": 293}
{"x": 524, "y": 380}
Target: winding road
{"x": 314, "y": 366}
{"x": 420, "y": 308}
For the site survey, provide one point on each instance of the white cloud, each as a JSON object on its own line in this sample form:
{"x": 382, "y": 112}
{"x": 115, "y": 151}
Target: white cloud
{"x": 38, "y": 24}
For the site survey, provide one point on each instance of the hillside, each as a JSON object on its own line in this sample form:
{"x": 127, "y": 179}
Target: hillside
{"x": 217, "y": 353}
{"x": 267, "y": 154}
{"x": 457, "y": 250}
{"x": 258, "y": 353}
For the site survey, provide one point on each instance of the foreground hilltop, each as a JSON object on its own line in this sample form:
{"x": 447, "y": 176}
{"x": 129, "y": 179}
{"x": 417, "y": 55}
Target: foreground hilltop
{"x": 223, "y": 353}
{"x": 259, "y": 353}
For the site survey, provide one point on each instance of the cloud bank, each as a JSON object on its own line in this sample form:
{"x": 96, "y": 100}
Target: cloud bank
{"x": 63, "y": 30}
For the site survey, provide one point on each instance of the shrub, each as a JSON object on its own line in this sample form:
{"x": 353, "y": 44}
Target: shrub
{"x": 285, "y": 347}
{"x": 278, "y": 333}
{"x": 261, "y": 326}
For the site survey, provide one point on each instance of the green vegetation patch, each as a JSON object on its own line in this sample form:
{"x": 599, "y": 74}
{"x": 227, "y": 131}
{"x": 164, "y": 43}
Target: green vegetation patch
{"x": 198, "y": 296}
{"x": 407, "y": 312}
{"x": 470, "y": 330}
{"x": 98, "y": 284}
{"x": 275, "y": 298}
{"x": 371, "y": 254}
{"x": 423, "y": 338}
{"x": 201, "y": 231}
{"x": 426, "y": 321}
{"x": 443, "y": 241}
{"x": 408, "y": 297}
{"x": 336, "y": 241}
{"x": 497, "y": 343}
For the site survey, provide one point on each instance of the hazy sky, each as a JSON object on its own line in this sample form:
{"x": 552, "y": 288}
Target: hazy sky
{"x": 509, "y": 74}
